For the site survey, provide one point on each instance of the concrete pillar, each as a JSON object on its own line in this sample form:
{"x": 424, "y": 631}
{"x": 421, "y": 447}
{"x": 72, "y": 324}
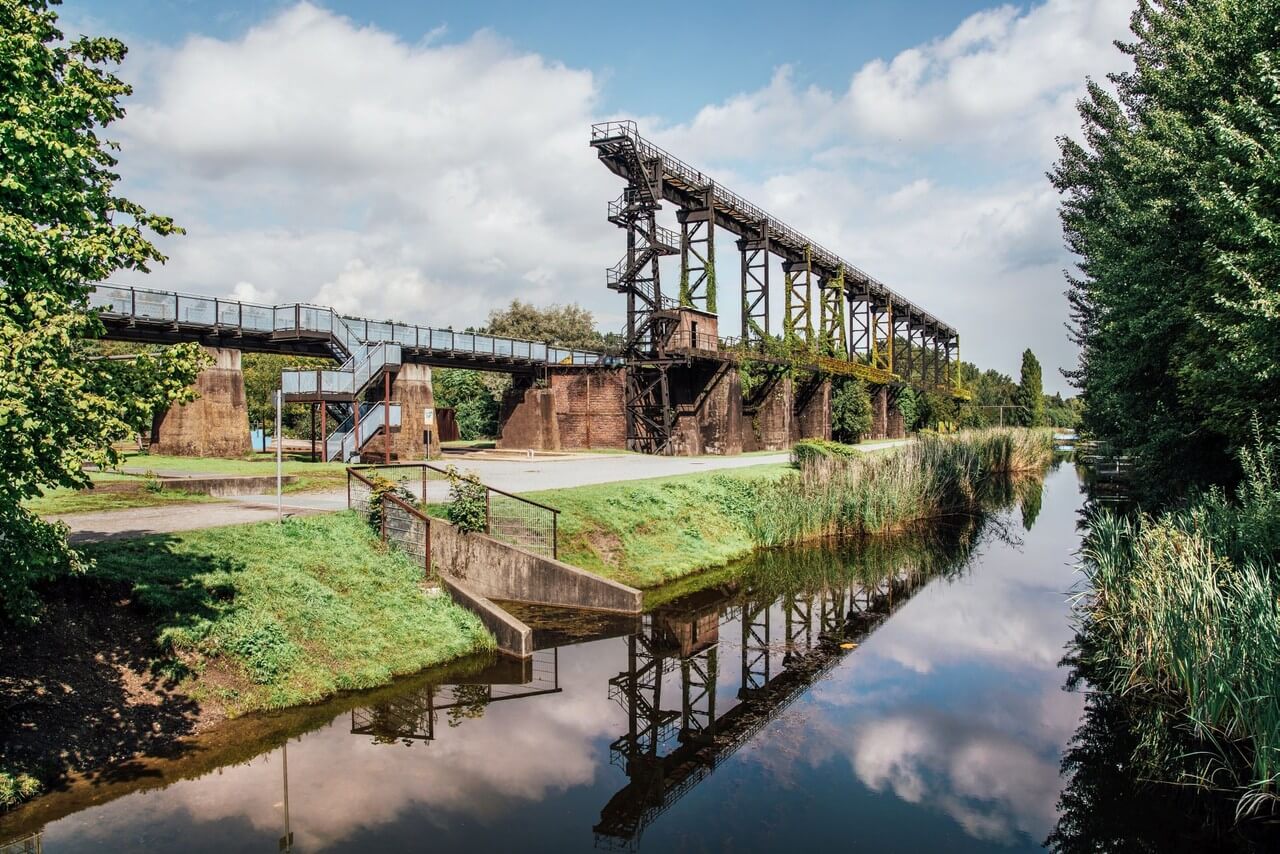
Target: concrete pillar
{"x": 769, "y": 426}
{"x": 895, "y": 428}
{"x": 813, "y": 418}
{"x": 216, "y": 424}
{"x": 528, "y": 419}
{"x": 879, "y": 412}
{"x": 412, "y": 389}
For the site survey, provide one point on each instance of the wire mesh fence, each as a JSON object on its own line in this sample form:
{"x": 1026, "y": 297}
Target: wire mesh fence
{"x": 509, "y": 518}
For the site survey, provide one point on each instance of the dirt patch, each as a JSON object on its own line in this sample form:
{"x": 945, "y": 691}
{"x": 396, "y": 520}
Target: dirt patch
{"x": 607, "y": 546}
{"x": 81, "y": 694}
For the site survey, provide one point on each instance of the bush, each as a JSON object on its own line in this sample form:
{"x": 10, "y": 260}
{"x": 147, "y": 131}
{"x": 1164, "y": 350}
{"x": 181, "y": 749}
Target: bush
{"x": 811, "y": 449}
{"x": 468, "y": 505}
{"x": 382, "y": 487}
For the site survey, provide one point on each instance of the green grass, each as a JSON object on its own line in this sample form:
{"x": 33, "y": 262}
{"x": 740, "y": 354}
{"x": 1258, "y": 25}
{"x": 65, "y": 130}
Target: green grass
{"x": 16, "y": 787}
{"x": 273, "y": 615}
{"x": 647, "y": 532}
{"x": 311, "y": 476}
{"x": 61, "y": 502}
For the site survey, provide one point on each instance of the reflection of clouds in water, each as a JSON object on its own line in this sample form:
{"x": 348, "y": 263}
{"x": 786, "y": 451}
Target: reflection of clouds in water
{"x": 994, "y": 786}
{"x": 990, "y": 760}
{"x": 521, "y": 750}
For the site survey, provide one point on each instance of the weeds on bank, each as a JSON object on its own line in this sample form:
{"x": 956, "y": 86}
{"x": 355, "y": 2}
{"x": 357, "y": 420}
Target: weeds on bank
{"x": 873, "y": 494}
{"x": 1184, "y": 608}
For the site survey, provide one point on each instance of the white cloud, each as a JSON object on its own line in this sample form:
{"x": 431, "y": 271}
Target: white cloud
{"x": 314, "y": 159}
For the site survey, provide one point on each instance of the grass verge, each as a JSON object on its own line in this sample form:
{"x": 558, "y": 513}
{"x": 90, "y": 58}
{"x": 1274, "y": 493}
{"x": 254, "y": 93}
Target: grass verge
{"x": 60, "y": 502}
{"x": 647, "y": 532}
{"x": 273, "y": 615}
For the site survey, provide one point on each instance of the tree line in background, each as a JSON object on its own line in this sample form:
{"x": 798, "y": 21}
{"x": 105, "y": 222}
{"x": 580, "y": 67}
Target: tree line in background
{"x": 1172, "y": 205}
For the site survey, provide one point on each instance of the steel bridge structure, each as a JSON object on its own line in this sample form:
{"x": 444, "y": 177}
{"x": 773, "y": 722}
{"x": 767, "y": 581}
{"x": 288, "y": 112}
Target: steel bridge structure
{"x": 844, "y": 320}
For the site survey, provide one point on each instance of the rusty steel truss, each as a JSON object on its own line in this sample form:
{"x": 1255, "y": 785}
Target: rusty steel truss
{"x": 850, "y": 321}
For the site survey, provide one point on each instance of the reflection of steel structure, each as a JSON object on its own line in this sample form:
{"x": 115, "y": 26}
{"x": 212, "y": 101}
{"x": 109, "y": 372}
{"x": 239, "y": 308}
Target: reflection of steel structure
{"x": 819, "y": 628}
{"x": 32, "y": 843}
{"x": 412, "y": 716}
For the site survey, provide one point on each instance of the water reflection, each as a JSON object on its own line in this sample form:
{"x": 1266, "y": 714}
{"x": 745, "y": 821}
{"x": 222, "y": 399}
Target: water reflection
{"x": 904, "y": 695}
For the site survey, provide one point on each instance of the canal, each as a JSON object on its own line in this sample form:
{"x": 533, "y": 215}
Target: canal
{"x": 890, "y": 697}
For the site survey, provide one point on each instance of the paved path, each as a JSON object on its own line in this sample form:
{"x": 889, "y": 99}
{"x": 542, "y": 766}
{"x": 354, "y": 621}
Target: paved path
{"x": 142, "y": 521}
{"x": 519, "y": 475}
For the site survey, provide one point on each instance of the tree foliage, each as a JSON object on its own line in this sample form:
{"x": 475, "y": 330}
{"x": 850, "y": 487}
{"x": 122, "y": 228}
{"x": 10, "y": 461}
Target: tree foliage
{"x": 1030, "y": 392}
{"x": 1173, "y": 206}
{"x": 561, "y": 325}
{"x": 850, "y": 409}
{"x": 62, "y": 225}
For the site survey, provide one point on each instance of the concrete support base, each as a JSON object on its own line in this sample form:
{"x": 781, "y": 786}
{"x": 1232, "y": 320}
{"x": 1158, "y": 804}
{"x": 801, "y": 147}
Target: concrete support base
{"x": 879, "y": 412}
{"x": 415, "y": 439}
{"x": 216, "y": 424}
{"x": 813, "y": 412}
{"x": 577, "y": 410}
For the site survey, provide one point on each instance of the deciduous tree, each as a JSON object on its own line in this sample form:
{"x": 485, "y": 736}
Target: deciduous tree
{"x": 62, "y": 226}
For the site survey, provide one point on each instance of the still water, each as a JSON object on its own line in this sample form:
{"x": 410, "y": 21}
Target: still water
{"x": 888, "y": 698}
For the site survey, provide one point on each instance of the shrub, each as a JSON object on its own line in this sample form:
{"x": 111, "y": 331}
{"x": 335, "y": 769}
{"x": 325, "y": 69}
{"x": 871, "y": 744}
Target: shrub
{"x": 382, "y": 487}
{"x": 812, "y": 449}
{"x": 468, "y": 507}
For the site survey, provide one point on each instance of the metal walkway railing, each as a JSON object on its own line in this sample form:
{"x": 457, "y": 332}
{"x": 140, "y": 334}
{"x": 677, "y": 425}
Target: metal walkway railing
{"x": 142, "y": 305}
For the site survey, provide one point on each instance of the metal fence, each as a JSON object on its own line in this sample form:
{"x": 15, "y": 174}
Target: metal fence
{"x": 402, "y": 524}
{"x": 509, "y": 518}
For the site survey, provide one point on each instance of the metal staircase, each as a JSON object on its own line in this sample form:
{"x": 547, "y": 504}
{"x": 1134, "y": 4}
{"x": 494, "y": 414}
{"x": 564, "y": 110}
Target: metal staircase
{"x": 344, "y": 388}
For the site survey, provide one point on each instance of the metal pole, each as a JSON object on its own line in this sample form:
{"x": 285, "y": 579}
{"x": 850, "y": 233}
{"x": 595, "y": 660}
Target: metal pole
{"x": 279, "y": 458}
{"x": 324, "y": 429}
{"x": 386, "y": 417}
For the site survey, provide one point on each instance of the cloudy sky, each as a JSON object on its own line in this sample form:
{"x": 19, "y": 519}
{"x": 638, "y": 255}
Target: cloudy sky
{"x": 430, "y": 161}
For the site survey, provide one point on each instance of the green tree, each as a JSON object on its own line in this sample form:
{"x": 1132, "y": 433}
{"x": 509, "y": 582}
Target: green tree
{"x": 562, "y": 325}
{"x": 1172, "y": 205}
{"x": 62, "y": 225}
{"x": 850, "y": 410}
{"x": 474, "y": 403}
{"x": 1030, "y": 392}
{"x": 909, "y": 406}
{"x": 262, "y": 378}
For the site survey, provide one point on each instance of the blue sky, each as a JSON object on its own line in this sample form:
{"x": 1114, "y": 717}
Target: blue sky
{"x": 430, "y": 162}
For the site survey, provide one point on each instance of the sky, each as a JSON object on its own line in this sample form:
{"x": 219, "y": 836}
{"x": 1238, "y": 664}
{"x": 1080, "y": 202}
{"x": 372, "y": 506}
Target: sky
{"x": 429, "y": 162}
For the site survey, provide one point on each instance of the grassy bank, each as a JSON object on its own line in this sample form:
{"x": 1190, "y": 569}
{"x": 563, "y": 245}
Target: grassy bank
{"x": 878, "y": 494}
{"x": 274, "y": 615}
{"x": 646, "y": 532}
{"x": 1183, "y": 613}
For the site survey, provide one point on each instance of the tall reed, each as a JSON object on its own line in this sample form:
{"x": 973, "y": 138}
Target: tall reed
{"x": 891, "y": 490}
{"x": 1185, "y": 608}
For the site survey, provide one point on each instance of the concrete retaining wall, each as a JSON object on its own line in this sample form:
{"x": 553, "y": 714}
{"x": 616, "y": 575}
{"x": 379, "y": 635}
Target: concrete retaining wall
{"x": 513, "y": 637}
{"x": 499, "y": 571}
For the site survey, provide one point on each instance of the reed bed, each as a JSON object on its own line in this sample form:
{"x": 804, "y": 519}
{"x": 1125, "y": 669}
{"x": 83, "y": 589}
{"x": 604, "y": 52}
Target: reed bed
{"x": 885, "y": 492}
{"x": 1183, "y": 609}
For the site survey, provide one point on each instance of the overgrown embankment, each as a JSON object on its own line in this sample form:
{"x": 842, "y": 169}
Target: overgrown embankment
{"x": 834, "y": 495}
{"x": 1183, "y": 616}
{"x": 175, "y": 632}
{"x": 648, "y": 532}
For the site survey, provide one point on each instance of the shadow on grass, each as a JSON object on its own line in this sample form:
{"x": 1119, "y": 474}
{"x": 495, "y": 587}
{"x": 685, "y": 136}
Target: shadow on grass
{"x": 90, "y": 689}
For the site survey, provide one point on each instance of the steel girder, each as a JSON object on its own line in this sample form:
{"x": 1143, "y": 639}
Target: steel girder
{"x": 755, "y": 284}
{"x": 797, "y": 323}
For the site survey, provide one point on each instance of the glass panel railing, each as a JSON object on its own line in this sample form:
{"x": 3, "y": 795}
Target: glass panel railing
{"x": 484, "y": 344}
{"x": 286, "y": 318}
{"x": 154, "y": 305}
{"x": 503, "y": 346}
{"x": 464, "y": 342}
{"x": 377, "y": 331}
{"x": 538, "y": 352}
{"x": 312, "y": 319}
{"x": 229, "y": 314}
{"x": 112, "y": 300}
{"x": 402, "y": 334}
{"x": 336, "y": 382}
{"x": 256, "y": 318}
{"x": 201, "y": 310}
{"x": 441, "y": 339}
